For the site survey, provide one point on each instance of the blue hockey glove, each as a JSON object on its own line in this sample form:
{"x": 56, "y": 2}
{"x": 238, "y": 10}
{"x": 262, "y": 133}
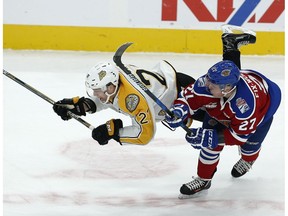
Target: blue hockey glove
{"x": 200, "y": 138}
{"x": 180, "y": 112}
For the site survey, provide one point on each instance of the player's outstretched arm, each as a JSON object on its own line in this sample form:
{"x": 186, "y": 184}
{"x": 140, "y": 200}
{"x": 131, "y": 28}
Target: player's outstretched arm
{"x": 76, "y": 105}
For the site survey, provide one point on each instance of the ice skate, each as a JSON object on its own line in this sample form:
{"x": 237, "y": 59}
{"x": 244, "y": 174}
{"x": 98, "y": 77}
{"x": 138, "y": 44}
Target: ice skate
{"x": 234, "y": 37}
{"x": 193, "y": 187}
{"x": 241, "y": 168}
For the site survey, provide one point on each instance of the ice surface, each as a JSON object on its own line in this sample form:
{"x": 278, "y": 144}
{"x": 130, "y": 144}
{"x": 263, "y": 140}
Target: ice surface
{"x": 52, "y": 167}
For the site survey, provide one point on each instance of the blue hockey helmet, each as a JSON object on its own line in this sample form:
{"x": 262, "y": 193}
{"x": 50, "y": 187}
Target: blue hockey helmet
{"x": 224, "y": 73}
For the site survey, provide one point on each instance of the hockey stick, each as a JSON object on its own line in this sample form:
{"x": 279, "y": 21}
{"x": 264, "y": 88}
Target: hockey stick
{"x": 43, "y": 96}
{"x": 117, "y": 59}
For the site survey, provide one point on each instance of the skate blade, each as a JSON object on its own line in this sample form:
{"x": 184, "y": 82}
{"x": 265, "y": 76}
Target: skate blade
{"x": 236, "y": 30}
{"x": 196, "y": 195}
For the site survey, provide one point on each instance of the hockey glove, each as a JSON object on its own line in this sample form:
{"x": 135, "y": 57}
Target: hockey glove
{"x": 180, "y": 113}
{"x": 105, "y": 132}
{"x": 200, "y": 138}
{"x": 76, "y": 105}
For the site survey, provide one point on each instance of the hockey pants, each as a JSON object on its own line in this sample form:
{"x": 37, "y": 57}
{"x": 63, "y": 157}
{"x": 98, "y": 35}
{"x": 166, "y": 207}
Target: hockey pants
{"x": 209, "y": 158}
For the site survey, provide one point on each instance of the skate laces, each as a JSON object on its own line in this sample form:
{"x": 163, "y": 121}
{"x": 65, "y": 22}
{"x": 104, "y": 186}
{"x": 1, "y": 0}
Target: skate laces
{"x": 196, "y": 183}
{"x": 243, "y": 166}
{"x": 241, "y": 43}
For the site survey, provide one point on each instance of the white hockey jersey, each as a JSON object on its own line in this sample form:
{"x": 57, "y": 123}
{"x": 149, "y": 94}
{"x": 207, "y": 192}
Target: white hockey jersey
{"x": 131, "y": 100}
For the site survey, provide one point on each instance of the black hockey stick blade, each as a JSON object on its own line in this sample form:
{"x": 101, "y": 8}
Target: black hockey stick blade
{"x": 118, "y": 54}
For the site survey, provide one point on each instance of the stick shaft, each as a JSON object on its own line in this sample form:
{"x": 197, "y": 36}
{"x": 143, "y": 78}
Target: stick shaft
{"x": 117, "y": 59}
{"x": 45, "y": 97}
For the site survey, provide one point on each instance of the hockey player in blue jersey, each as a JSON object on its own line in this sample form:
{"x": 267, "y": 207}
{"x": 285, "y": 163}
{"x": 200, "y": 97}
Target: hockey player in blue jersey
{"x": 239, "y": 106}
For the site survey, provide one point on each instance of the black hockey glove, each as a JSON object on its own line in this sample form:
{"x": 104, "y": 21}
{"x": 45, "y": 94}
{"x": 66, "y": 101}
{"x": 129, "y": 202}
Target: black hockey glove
{"x": 76, "y": 105}
{"x": 105, "y": 132}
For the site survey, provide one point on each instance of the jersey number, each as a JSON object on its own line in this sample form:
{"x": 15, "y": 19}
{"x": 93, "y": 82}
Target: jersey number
{"x": 143, "y": 117}
{"x": 245, "y": 125}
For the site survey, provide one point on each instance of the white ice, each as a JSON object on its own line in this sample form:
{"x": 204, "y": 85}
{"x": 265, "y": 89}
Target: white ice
{"x": 55, "y": 168}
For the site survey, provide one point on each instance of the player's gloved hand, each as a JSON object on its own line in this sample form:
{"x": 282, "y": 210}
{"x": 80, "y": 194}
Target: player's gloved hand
{"x": 200, "y": 138}
{"x": 180, "y": 113}
{"x": 105, "y": 132}
{"x": 76, "y": 105}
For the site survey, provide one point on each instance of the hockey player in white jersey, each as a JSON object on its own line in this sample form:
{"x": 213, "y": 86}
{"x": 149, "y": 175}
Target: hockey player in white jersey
{"x": 108, "y": 87}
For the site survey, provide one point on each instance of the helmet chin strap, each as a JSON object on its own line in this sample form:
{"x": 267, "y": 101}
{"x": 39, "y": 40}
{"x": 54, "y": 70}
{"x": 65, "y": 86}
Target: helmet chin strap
{"x": 226, "y": 93}
{"x": 110, "y": 95}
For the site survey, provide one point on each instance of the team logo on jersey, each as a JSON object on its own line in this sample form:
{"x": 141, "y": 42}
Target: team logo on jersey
{"x": 131, "y": 102}
{"x": 242, "y": 105}
{"x": 101, "y": 74}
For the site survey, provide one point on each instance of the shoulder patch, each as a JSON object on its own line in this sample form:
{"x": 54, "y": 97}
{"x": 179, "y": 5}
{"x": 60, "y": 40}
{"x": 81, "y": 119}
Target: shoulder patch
{"x": 242, "y": 105}
{"x": 200, "y": 87}
{"x": 201, "y": 82}
{"x": 132, "y": 101}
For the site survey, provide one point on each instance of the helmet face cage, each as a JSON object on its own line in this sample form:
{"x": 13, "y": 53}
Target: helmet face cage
{"x": 100, "y": 76}
{"x": 223, "y": 74}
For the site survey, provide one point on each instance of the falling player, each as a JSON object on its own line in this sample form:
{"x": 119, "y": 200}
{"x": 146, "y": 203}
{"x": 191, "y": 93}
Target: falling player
{"x": 108, "y": 87}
